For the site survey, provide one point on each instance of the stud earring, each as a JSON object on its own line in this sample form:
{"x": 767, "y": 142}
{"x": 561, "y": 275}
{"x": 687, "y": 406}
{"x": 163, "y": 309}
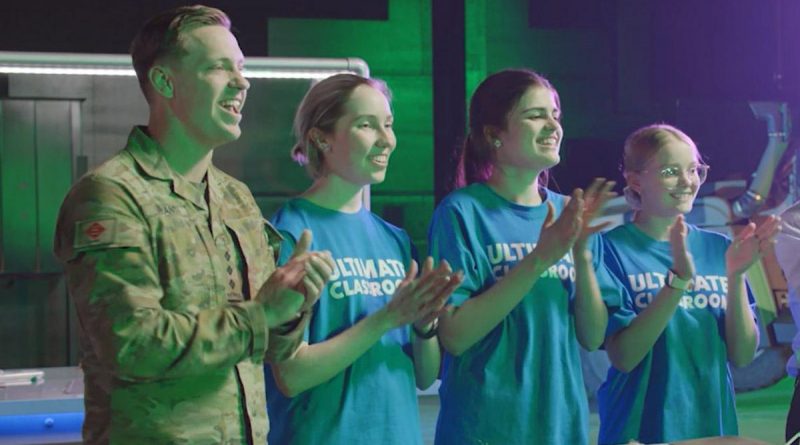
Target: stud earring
{"x": 497, "y": 143}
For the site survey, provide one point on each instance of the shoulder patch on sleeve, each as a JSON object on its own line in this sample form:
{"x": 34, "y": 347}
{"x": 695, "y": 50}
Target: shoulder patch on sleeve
{"x": 94, "y": 233}
{"x": 104, "y": 232}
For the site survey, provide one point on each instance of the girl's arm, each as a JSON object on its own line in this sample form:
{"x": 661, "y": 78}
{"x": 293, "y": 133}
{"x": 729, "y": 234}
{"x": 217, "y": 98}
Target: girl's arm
{"x": 477, "y": 316}
{"x": 627, "y": 347}
{"x": 314, "y": 364}
{"x": 748, "y": 246}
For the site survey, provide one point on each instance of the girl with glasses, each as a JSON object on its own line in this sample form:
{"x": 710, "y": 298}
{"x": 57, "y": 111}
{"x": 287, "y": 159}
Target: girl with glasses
{"x": 687, "y": 311}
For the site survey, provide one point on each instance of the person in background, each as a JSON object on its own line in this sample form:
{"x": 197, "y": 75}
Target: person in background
{"x": 686, "y": 313}
{"x": 169, "y": 262}
{"x": 353, "y": 380}
{"x": 787, "y": 247}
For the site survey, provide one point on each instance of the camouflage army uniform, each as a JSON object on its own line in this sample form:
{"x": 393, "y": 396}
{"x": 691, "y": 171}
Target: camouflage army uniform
{"x": 172, "y": 351}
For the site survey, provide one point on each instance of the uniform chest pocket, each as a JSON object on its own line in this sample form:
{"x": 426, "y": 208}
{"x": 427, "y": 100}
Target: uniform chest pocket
{"x": 251, "y": 237}
{"x": 186, "y": 255}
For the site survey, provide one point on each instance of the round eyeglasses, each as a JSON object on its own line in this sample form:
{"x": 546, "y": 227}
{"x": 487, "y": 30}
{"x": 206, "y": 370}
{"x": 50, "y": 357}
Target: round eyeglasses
{"x": 671, "y": 174}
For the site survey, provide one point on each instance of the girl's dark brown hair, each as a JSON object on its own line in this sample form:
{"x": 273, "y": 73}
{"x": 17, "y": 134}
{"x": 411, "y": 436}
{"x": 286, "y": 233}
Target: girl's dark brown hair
{"x": 490, "y": 105}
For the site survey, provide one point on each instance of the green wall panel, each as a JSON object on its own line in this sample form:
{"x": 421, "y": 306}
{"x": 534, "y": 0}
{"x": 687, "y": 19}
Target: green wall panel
{"x": 18, "y": 186}
{"x": 397, "y": 50}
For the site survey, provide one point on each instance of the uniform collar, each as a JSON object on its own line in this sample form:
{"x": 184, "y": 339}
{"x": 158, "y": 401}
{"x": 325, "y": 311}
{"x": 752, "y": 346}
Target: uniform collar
{"x": 146, "y": 152}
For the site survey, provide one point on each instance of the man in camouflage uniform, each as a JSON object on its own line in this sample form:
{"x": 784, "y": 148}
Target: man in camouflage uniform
{"x": 170, "y": 263}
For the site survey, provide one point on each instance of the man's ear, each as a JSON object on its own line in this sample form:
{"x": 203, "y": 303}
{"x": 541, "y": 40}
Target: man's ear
{"x": 161, "y": 81}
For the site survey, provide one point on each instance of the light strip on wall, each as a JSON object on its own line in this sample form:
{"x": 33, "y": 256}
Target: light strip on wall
{"x": 252, "y": 74}
{"x": 120, "y": 65}
{"x": 67, "y": 71}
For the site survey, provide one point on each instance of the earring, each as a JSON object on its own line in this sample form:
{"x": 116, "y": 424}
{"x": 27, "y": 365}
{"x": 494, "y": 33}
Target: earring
{"x": 323, "y": 145}
{"x": 497, "y": 143}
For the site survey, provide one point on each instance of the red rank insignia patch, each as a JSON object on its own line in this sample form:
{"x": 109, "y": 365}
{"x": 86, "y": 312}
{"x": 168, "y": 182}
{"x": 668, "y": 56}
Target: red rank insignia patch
{"x": 97, "y": 232}
{"x": 94, "y": 231}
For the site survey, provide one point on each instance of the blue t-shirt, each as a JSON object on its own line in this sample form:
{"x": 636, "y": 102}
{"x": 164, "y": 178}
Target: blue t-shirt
{"x": 374, "y": 400}
{"x": 682, "y": 389}
{"x": 521, "y": 383}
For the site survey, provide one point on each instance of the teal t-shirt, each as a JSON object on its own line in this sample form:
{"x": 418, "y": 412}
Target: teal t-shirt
{"x": 682, "y": 389}
{"x": 374, "y": 400}
{"x": 521, "y": 383}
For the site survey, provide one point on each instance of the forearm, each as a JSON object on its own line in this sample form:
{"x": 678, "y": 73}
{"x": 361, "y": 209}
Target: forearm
{"x": 315, "y": 364}
{"x": 629, "y": 346}
{"x": 427, "y": 359}
{"x": 591, "y": 316}
{"x": 740, "y": 330}
{"x": 138, "y": 339}
{"x": 477, "y": 316}
{"x": 157, "y": 344}
{"x": 284, "y": 340}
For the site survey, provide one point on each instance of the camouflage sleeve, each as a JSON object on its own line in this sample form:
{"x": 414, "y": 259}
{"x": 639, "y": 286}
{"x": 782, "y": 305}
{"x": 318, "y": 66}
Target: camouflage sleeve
{"x": 282, "y": 344}
{"x": 284, "y": 340}
{"x": 113, "y": 278}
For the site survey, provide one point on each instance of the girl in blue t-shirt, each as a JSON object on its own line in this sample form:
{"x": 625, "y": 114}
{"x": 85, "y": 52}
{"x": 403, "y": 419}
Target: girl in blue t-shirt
{"x": 686, "y": 312}
{"x": 353, "y": 379}
{"x": 512, "y": 372}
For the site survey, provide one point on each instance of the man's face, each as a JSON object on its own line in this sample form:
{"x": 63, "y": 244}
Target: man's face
{"x": 209, "y": 90}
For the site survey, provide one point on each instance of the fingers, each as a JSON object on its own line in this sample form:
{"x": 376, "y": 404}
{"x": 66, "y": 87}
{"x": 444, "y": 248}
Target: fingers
{"x": 316, "y": 267}
{"x": 311, "y": 290}
{"x": 608, "y": 190}
{"x": 574, "y": 208}
{"x": 444, "y": 294}
{"x": 328, "y": 258}
{"x": 598, "y": 228}
{"x": 303, "y": 244}
{"x": 766, "y": 232}
{"x": 436, "y": 295}
{"x": 678, "y": 230}
{"x": 318, "y": 271}
{"x": 573, "y": 213}
{"x": 596, "y": 185}
{"x": 677, "y": 239}
{"x": 599, "y": 191}
{"x": 595, "y": 197}
{"x": 602, "y": 195}
{"x": 427, "y": 265}
{"x": 551, "y": 215}
{"x": 290, "y": 274}
{"x": 769, "y": 228}
{"x": 745, "y": 234}
{"x": 433, "y": 278}
{"x": 435, "y": 306}
{"x": 575, "y": 204}
{"x": 436, "y": 284}
{"x": 682, "y": 261}
{"x": 411, "y": 273}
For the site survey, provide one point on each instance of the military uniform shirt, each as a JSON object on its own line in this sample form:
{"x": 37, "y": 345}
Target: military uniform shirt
{"x": 170, "y": 354}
